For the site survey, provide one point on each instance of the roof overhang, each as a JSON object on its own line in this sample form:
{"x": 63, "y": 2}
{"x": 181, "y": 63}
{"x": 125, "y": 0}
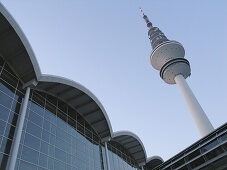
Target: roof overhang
{"x": 154, "y": 161}
{"x": 79, "y": 98}
{"x": 15, "y": 48}
{"x": 132, "y": 143}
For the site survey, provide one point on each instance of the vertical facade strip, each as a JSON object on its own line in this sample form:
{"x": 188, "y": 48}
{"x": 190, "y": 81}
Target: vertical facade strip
{"x": 107, "y": 157}
{"x": 19, "y": 131}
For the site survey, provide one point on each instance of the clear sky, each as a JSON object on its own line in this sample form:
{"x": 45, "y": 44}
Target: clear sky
{"x": 104, "y": 46}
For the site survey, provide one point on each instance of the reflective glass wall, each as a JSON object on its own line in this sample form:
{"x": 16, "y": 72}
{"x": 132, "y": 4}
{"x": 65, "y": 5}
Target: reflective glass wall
{"x": 119, "y": 158}
{"x": 56, "y": 137}
{"x": 11, "y": 98}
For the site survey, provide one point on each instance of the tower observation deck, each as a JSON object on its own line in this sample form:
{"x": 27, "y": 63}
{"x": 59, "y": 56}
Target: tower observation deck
{"x": 167, "y": 56}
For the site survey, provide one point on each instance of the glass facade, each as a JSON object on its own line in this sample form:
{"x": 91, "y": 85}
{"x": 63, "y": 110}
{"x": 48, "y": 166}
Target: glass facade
{"x": 54, "y": 135}
{"x": 119, "y": 158}
{"x": 11, "y": 98}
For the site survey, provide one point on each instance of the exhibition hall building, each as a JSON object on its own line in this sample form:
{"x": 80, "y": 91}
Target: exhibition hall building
{"x": 50, "y": 122}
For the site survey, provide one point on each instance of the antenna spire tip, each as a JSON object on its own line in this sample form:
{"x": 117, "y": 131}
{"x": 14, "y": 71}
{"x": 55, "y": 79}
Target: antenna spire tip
{"x": 142, "y": 11}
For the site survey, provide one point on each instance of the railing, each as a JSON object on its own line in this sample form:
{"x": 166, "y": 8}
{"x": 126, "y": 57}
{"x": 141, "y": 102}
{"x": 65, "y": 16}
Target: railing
{"x": 202, "y": 153}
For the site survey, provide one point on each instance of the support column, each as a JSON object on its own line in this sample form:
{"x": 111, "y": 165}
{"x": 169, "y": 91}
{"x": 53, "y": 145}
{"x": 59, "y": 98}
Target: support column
{"x": 107, "y": 157}
{"x": 199, "y": 116}
{"x": 142, "y": 167}
{"x": 19, "y": 131}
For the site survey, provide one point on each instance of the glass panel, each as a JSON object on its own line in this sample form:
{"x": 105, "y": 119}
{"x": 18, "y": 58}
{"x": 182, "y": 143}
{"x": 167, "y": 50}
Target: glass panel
{"x": 4, "y": 113}
{"x": 59, "y": 165}
{"x": 69, "y": 159}
{"x": 35, "y": 118}
{"x": 33, "y": 129}
{"x": 43, "y": 160}
{"x": 52, "y": 129}
{"x": 209, "y": 146}
{"x": 29, "y": 155}
{"x": 45, "y": 136}
{"x": 52, "y": 139}
{"x": 5, "y": 100}
{"x": 46, "y": 125}
{"x": 63, "y": 135}
{"x": 50, "y": 117}
{"x": 27, "y": 166}
{"x": 50, "y": 163}
{"x": 214, "y": 153}
{"x": 2, "y": 127}
{"x": 32, "y": 141}
{"x": 37, "y": 109}
{"x": 61, "y": 124}
{"x": 223, "y": 137}
{"x": 178, "y": 163}
{"x": 44, "y": 147}
{"x": 6, "y": 88}
{"x": 197, "y": 162}
{"x": 193, "y": 155}
{"x": 61, "y": 144}
{"x": 60, "y": 155}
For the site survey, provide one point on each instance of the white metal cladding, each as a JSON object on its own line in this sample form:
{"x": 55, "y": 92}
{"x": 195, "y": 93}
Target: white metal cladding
{"x": 132, "y": 143}
{"x": 154, "y": 161}
{"x": 16, "y": 50}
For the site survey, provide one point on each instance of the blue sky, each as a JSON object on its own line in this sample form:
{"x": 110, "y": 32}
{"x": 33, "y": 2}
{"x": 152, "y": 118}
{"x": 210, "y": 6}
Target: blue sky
{"x": 104, "y": 46}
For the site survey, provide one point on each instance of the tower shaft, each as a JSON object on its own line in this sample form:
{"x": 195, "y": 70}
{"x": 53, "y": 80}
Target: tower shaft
{"x": 199, "y": 116}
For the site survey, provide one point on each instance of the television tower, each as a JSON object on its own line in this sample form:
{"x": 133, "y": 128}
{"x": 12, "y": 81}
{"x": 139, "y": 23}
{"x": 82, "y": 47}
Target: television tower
{"x": 167, "y": 56}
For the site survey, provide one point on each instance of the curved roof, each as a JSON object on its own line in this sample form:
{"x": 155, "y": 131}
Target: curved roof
{"x": 132, "y": 143}
{"x": 154, "y": 161}
{"x": 16, "y": 50}
{"x": 79, "y": 98}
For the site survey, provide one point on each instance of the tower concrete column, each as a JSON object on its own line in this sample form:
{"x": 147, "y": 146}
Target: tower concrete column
{"x": 107, "y": 157}
{"x": 199, "y": 116}
{"x": 19, "y": 131}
